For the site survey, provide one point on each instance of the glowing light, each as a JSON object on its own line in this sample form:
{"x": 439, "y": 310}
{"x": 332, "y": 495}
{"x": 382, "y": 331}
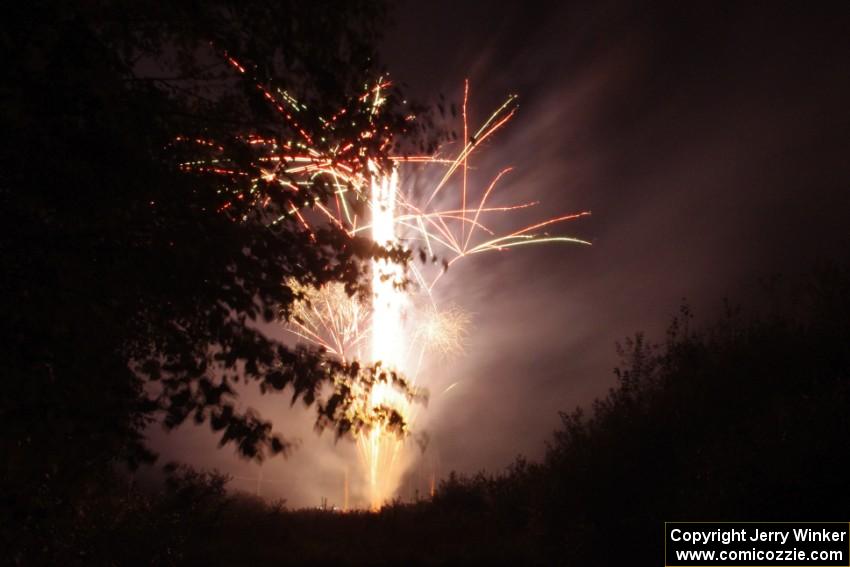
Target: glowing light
{"x": 387, "y": 276}
{"x": 380, "y": 448}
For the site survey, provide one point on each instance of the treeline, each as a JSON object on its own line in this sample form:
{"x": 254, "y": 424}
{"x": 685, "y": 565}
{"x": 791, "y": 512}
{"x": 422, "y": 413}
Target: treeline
{"x": 744, "y": 419}
{"x": 741, "y": 419}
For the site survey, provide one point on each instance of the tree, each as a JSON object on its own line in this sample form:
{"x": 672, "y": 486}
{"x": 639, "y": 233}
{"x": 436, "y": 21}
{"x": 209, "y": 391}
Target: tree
{"x": 127, "y": 293}
{"x": 741, "y": 418}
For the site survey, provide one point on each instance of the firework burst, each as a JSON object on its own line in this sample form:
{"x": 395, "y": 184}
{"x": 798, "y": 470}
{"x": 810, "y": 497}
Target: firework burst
{"x": 401, "y": 322}
{"x": 442, "y": 332}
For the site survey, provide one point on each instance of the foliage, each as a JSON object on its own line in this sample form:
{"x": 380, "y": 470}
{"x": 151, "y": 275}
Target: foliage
{"x": 126, "y": 295}
{"x": 742, "y": 419}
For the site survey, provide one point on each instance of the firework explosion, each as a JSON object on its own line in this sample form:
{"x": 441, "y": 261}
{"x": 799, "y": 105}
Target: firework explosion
{"x": 402, "y": 320}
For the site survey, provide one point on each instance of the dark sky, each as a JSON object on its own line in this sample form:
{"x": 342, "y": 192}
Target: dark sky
{"x": 712, "y": 144}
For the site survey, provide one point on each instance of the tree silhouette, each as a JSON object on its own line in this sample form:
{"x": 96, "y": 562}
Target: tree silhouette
{"x": 126, "y": 295}
{"x": 743, "y": 418}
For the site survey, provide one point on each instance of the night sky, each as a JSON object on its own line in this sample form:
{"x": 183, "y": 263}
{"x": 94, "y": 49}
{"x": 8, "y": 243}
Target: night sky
{"x": 710, "y": 143}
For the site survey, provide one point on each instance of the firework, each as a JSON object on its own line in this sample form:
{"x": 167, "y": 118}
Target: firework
{"x": 330, "y": 318}
{"x": 401, "y": 323}
{"x": 442, "y": 332}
